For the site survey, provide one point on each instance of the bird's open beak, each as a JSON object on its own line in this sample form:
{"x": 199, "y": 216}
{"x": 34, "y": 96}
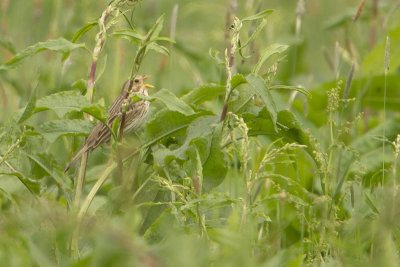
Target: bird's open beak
{"x": 148, "y": 86}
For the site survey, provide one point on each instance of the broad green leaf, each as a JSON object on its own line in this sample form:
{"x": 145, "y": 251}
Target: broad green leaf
{"x": 51, "y": 130}
{"x": 368, "y": 91}
{"x": 30, "y": 107}
{"x": 215, "y": 167}
{"x": 369, "y": 165}
{"x": 32, "y": 186}
{"x": 159, "y": 229}
{"x": 166, "y": 123}
{"x": 261, "y": 15}
{"x": 203, "y": 94}
{"x": 244, "y": 102}
{"x": 62, "y": 102}
{"x": 260, "y": 89}
{"x": 292, "y": 130}
{"x": 58, "y": 45}
{"x": 363, "y": 145}
{"x": 97, "y": 112}
{"x": 259, "y": 125}
{"x": 294, "y": 88}
{"x": 237, "y": 80}
{"x": 172, "y": 102}
{"x": 373, "y": 64}
{"x": 267, "y": 53}
{"x": 81, "y": 85}
{"x": 373, "y": 138}
{"x": 65, "y": 184}
{"x": 198, "y": 128}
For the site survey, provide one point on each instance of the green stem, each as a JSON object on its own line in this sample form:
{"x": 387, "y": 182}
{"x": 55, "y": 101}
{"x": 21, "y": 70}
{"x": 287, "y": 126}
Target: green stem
{"x": 85, "y": 207}
{"x": 80, "y": 181}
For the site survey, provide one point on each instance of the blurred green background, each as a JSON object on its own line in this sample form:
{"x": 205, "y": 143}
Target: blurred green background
{"x": 295, "y": 223}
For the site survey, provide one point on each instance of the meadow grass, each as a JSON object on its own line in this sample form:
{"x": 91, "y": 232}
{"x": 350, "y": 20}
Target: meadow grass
{"x": 273, "y": 135}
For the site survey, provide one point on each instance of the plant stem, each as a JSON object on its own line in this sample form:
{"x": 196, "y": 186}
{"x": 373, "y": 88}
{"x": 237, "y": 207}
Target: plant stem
{"x": 236, "y": 26}
{"x": 100, "y": 39}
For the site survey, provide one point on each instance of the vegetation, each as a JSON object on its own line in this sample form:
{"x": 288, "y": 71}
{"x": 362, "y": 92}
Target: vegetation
{"x": 272, "y": 140}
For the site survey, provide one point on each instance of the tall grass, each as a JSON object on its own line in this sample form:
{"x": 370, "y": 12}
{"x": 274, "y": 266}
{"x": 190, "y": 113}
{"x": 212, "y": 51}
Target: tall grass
{"x": 232, "y": 168}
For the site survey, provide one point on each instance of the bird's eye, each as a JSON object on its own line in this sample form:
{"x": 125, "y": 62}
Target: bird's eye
{"x": 136, "y": 80}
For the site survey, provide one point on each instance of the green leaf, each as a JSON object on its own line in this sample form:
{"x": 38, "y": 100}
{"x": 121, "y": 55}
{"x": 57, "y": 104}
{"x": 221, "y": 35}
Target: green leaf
{"x": 32, "y": 186}
{"x": 370, "y": 203}
{"x": 65, "y": 184}
{"x": 131, "y": 35}
{"x": 159, "y": 229}
{"x": 154, "y": 32}
{"x": 96, "y": 111}
{"x": 295, "y": 88}
{"x": 255, "y": 33}
{"x": 261, "y": 15}
{"x": 198, "y": 128}
{"x": 172, "y": 102}
{"x": 292, "y": 130}
{"x": 373, "y": 63}
{"x": 237, "y": 80}
{"x": 62, "y": 102}
{"x": 81, "y": 85}
{"x": 30, "y": 107}
{"x": 204, "y": 93}
{"x": 58, "y": 45}
{"x": 267, "y": 53}
{"x": 158, "y": 48}
{"x": 343, "y": 18}
{"x": 214, "y": 54}
{"x": 289, "y": 184}
{"x": 88, "y": 26}
{"x": 166, "y": 123}
{"x": 215, "y": 167}
{"x": 7, "y": 44}
{"x": 259, "y": 88}
{"x": 51, "y": 130}
{"x": 101, "y": 67}
{"x": 259, "y": 125}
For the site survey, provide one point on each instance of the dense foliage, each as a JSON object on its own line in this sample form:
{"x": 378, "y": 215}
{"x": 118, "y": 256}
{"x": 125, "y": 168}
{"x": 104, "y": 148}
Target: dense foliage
{"x": 272, "y": 140}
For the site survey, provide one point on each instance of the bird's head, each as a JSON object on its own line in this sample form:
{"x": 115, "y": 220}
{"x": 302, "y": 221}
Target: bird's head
{"x": 139, "y": 85}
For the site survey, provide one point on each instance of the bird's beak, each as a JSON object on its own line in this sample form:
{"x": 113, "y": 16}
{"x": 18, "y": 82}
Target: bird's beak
{"x": 148, "y": 86}
{"x": 145, "y": 77}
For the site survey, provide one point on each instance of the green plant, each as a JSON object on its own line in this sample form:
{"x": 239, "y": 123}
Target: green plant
{"x": 237, "y": 165}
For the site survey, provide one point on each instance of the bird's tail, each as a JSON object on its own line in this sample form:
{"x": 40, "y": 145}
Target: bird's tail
{"x": 76, "y": 157}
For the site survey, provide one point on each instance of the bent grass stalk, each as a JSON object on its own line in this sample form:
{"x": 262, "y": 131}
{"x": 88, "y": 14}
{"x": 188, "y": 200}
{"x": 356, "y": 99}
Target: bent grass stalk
{"x": 85, "y": 207}
{"x": 386, "y": 65}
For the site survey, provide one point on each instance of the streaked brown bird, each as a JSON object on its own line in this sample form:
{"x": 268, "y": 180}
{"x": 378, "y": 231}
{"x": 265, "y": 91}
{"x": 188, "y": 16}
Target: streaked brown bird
{"x": 133, "y": 118}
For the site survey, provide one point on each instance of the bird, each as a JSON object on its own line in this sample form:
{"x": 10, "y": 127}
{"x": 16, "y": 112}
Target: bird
{"x": 131, "y": 114}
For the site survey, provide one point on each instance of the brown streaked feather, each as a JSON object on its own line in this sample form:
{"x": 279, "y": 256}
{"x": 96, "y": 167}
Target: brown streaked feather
{"x": 134, "y": 117}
